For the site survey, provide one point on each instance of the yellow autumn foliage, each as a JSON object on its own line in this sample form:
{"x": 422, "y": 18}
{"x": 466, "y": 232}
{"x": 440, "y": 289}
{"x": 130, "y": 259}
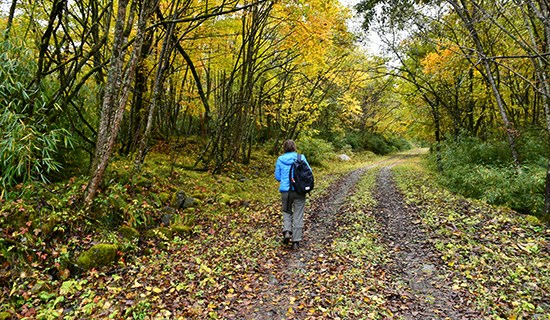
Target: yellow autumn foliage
{"x": 440, "y": 63}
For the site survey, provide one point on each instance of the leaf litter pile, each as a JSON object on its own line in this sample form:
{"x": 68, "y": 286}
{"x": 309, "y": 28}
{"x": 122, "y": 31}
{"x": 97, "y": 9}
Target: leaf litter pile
{"x": 368, "y": 253}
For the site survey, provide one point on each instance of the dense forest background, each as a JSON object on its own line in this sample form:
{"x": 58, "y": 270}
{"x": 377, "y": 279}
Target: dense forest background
{"x": 84, "y": 82}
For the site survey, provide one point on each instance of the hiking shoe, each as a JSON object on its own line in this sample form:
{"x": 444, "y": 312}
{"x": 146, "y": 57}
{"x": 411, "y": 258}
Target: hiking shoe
{"x": 295, "y": 245}
{"x": 286, "y": 237}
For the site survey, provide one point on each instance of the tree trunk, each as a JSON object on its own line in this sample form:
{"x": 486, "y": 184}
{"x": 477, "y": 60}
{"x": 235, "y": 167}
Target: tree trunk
{"x": 95, "y": 32}
{"x": 437, "y": 123}
{"x": 163, "y": 64}
{"x": 55, "y": 15}
{"x": 10, "y": 18}
{"x": 541, "y": 67}
{"x": 116, "y": 93}
{"x": 236, "y": 96}
{"x": 462, "y": 11}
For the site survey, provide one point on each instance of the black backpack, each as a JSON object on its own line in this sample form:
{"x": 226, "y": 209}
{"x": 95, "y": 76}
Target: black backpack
{"x": 301, "y": 176}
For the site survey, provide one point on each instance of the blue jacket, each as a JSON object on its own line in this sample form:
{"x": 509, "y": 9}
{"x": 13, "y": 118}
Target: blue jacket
{"x": 282, "y": 168}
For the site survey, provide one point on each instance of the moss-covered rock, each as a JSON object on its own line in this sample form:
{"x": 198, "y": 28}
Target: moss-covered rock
{"x": 178, "y": 199}
{"x": 224, "y": 198}
{"x": 97, "y": 256}
{"x": 128, "y": 233}
{"x": 165, "y": 197}
{"x": 199, "y": 195}
{"x": 181, "y": 229}
{"x": 189, "y": 203}
{"x": 160, "y": 233}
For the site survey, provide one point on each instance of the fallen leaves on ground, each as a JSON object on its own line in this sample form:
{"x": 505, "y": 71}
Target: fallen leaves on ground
{"x": 234, "y": 265}
{"x": 499, "y": 256}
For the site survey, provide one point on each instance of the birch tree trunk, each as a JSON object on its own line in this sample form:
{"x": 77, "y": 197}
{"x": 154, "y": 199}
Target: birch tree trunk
{"x": 117, "y": 90}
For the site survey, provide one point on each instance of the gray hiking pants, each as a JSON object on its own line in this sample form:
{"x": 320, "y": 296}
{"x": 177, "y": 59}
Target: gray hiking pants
{"x": 293, "y": 213}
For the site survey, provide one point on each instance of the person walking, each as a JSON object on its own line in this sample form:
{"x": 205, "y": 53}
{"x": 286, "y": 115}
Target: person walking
{"x": 293, "y": 203}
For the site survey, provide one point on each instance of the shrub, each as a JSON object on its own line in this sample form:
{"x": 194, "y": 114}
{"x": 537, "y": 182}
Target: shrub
{"x": 26, "y": 154}
{"x": 376, "y": 143}
{"x": 485, "y": 170}
{"x": 399, "y": 143}
{"x": 354, "y": 140}
{"x": 316, "y": 150}
{"x": 520, "y": 190}
{"x": 28, "y": 143}
{"x": 533, "y": 147}
{"x": 468, "y": 150}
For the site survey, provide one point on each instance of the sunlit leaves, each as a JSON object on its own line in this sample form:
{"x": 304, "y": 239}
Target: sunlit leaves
{"x": 352, "y": 108}
{"x": 440, "y": 63}
{"x": 310, "y": 27}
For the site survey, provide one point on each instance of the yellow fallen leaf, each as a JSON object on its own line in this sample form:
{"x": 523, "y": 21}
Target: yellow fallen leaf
{"x": 157, "y": 290}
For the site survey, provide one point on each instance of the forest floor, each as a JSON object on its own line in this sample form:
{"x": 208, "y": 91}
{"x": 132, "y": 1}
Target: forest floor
{"x": 381, "y": 241}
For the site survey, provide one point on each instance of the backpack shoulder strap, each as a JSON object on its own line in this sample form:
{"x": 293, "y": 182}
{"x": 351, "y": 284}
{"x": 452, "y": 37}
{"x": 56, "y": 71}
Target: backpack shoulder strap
{"x": 299, "y": 157}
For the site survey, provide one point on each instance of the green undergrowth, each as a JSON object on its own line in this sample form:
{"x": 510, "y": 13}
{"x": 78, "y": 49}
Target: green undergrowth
{"x": 485, "y": 170}
{"x": 206, "y": 258}
{"x": 499, "y": 256}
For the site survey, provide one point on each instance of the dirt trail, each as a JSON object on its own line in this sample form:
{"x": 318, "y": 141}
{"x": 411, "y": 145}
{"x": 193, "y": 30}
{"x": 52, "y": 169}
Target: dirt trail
{"x": 318, "y": 231}
{"x": 417, "y": 268}
{"x": 420, "y": 289}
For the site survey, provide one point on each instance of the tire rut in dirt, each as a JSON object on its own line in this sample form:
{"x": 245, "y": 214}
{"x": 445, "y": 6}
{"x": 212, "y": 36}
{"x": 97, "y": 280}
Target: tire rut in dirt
{"x": 421, "y": 286}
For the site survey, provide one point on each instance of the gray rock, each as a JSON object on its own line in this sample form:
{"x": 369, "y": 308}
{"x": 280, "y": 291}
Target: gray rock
{"x": 180, "y": 200}
{"x": 344, "y": 157}
{"x": 167, "y": 219}
{"x": 188, "y": 203}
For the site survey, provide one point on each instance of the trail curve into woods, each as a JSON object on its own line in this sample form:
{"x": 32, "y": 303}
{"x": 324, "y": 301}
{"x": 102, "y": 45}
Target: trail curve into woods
{"x": 416, "y": 285}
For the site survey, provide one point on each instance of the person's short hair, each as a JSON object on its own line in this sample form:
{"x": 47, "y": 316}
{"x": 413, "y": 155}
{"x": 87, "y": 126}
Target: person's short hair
{"x": 289, "y": 146}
